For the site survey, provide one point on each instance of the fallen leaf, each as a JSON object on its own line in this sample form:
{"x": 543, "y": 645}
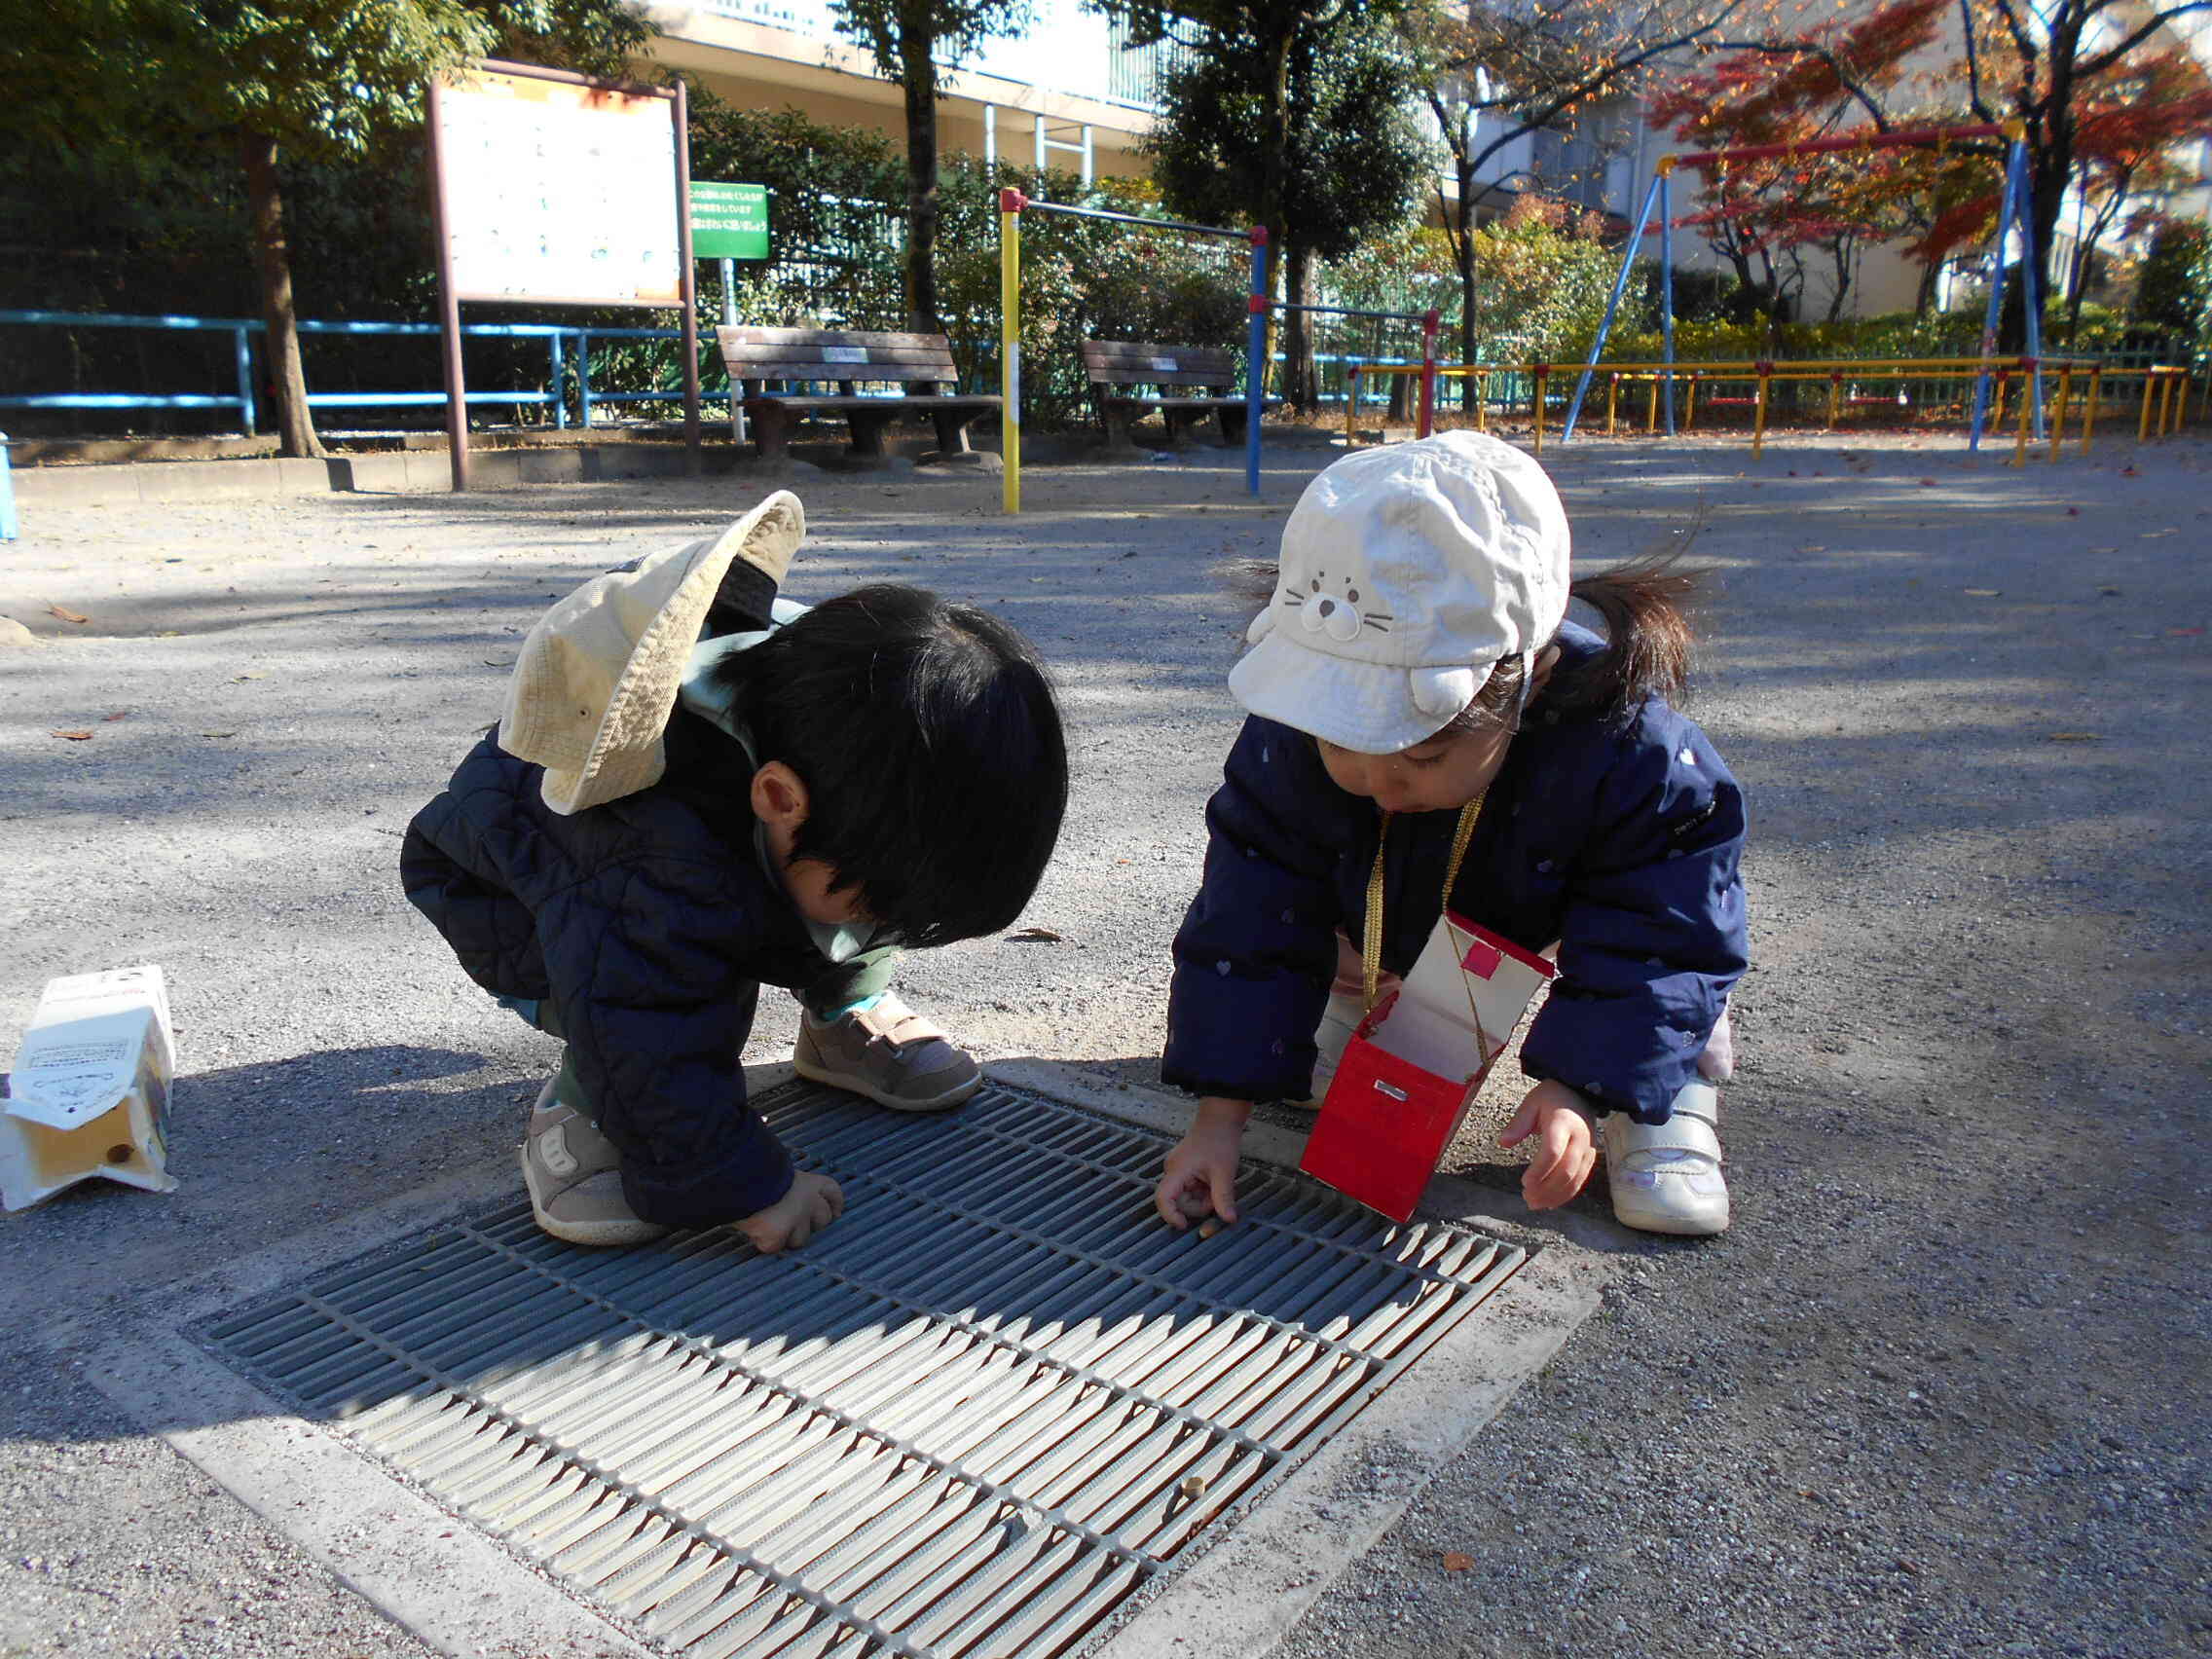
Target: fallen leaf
{"x": 2154, "y": 534}
{"x": 66, "y": 614}
{"x": 117, "y": 716}
{"x": 2073, "y": 512}
{"x": 1040, "y": 936}
{"x": 2075, "y": 737}
{"x": 1456, "y": 1561}
{"x": 218, "y": 734}
{"x": 499, "y": 662}
{"x": 75, "y": 736}
{"x": 250, "y": 674}
{"x": 2184, "y": 633}
{"x": 1982, "y": 593}
{"x": 2104, "y": 550}
{"x": 1928, "y": 483}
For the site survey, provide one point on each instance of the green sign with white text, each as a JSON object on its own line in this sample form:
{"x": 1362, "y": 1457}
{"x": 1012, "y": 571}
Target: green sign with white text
{"x": 729, "y": 221}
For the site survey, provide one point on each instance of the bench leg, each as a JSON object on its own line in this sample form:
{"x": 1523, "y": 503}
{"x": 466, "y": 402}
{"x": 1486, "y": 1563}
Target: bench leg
{"x": 1116, "y": 419}
{"x": 1232, "y": 425}
{"x": 867, "y": 432}
{"x": 771, "y": 429}
{"x": 951, "y": 432}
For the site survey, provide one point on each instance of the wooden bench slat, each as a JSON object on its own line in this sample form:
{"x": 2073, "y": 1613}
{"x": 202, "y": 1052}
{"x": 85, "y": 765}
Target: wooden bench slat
{"x": 817, "y": 336}
{"x": 894, "y": 405}
{"x": 780, "y": 350}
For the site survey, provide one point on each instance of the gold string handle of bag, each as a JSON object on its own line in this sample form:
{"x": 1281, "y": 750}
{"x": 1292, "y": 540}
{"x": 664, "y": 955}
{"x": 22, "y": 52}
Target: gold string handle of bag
{"x": 1371, "y": 940}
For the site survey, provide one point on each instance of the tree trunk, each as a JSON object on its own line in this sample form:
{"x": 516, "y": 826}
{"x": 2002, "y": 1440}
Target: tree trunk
{"x": 919, "y": 81}
{"x": 1469, "y": 386}
{"x": 295, "y": 425}
{"x": 1301, "y": 387}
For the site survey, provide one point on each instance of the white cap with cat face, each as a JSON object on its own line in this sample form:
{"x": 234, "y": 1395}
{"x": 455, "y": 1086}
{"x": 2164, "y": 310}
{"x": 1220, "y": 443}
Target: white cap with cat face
{"x": 1408, "y": 572}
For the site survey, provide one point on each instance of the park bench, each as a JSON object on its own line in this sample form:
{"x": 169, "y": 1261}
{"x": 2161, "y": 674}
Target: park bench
{"x": 919, "y": 364}
{"x": 1117, "y": 368}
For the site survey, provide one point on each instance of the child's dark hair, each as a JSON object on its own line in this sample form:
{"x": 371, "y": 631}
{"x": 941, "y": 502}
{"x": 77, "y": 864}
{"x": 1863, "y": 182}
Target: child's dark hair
{"x": 931, "y": 748}
{"x": 1647, "y": 654}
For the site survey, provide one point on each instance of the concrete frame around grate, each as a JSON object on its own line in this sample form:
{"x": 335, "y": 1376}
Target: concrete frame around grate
{"x": 1233, "y": 1594}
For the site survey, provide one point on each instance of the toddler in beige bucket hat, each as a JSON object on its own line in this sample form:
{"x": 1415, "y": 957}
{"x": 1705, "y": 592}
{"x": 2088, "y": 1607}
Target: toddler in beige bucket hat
{"x": 698, "y": 788}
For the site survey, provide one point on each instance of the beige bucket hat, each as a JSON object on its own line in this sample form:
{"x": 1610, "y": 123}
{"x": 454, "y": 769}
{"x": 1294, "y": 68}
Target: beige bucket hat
{"x": 598, "y": 677}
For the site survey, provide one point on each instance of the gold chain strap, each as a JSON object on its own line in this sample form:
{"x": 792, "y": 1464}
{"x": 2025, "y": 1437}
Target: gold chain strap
{"x": 1371, "y": 942}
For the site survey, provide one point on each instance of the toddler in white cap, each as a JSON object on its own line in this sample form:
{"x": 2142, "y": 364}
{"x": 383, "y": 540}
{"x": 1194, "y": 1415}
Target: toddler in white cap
{"x": 1426, "y": 725}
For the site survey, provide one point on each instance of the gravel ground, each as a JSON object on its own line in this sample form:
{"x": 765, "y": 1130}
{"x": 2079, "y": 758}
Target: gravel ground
{"x": 1938, "y": 1392}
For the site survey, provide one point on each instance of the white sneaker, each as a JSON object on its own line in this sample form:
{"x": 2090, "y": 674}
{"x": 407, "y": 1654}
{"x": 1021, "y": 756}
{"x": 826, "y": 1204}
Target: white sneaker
{"x": 1666, "y": 1177}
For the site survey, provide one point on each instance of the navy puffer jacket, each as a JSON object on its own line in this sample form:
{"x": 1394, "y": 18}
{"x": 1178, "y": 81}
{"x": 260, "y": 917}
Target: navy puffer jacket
{"x": 650, "y": 925}
{"x": 1618, "y": 840}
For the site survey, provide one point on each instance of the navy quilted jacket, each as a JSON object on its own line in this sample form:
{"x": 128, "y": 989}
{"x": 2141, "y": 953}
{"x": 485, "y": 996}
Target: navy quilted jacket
{"x": 1619, "y": 841}
{"x": 650, "y": 925}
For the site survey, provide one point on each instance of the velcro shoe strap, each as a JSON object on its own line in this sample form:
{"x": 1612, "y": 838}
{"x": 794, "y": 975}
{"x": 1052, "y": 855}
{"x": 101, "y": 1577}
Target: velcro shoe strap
{"x": 1679, "y": 1133}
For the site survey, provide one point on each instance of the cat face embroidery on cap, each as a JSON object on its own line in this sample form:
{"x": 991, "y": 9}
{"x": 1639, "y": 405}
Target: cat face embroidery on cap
{"x": 1335, "y": 605}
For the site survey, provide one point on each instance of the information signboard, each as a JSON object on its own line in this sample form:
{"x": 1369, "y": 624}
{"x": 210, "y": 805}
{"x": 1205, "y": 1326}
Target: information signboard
{"x": 729, "y": 221}
{"x": 558, "y": 192}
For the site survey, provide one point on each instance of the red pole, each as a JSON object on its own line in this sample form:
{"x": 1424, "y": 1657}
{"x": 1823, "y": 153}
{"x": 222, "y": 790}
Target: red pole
{"x": 1429, "y": 322}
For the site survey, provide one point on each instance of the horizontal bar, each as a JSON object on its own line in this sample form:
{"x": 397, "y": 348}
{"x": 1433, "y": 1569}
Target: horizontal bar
{"x": 1350, "y": 311}
{"x": 120, "y": 400}
{"x": 1032, "y": 205}
{"x": 1904, "y": 137}
{"x": 105, "y": 319}
{"x": 422, "y": 399}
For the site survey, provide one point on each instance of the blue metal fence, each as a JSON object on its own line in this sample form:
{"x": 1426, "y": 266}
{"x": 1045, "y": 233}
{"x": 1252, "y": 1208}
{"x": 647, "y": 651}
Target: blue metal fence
{"x": 560, "y": 342}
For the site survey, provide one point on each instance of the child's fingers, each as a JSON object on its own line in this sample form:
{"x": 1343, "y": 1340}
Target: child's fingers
{"x": 1222, "y": 1184}
{"x": 1167, "y": 1200}
{"x": 1523, "y": 1125}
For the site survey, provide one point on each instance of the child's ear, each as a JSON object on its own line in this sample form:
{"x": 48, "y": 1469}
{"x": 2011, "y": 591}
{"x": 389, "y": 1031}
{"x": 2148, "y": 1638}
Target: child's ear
{"x": 779, "y": 796}
{"x": 1545, "y": 658}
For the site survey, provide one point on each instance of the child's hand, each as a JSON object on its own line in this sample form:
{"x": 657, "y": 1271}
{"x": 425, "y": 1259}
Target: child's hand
{"x": 813, "y": 1203}
{"x": 1200, "y": 1174}
{"x": 1565, "y": 1150}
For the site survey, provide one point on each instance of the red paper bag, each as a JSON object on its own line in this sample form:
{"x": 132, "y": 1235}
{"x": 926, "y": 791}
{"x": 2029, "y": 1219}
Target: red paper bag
{"x": 1414, "y": 1067}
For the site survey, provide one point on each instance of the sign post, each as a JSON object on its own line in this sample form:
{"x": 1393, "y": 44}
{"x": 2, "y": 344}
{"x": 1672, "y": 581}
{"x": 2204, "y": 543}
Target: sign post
{"x": 729, "y": 222}
{"x": 546, "y": 189}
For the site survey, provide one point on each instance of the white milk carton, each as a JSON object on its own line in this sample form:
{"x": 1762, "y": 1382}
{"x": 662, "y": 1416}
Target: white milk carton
{"x": 89, "y": 1092}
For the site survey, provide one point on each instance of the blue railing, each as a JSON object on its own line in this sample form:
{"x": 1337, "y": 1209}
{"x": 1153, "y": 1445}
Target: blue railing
{"x": 560, "y": 342}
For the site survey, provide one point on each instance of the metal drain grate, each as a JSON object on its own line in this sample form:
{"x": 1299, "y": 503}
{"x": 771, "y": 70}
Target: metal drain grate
{"x": 968, "y": 1419}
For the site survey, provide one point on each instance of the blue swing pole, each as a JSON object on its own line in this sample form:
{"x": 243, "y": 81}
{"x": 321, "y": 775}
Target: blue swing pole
{"x": 1620, "y": 283}
{"x": 2015, "y": 168}
{"x": 1667, "y": 285}
{"x": 1256, "y": 360}
{"x": 2031, "y": 283}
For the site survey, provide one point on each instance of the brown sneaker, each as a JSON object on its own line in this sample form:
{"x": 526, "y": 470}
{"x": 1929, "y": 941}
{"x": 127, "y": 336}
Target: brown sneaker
{"x": 889, "y": 1053}
{"x": 575, "y": 1179}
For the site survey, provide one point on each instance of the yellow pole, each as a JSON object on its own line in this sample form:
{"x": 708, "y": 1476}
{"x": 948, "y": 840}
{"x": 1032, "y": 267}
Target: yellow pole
{"x": 1352, "y": 403}
{"x": 2004, "y": 381}
{"x": 1542, "y": 369}
{"x": 1651, "y": 408}
{"x": 1836, "y": 391}
{"x": 1482, "y": 400}
{"x": 2059, "y": 416}
{"x": 1689, "y": 405}
{"x": 1759, "y": 417}
{"x": 1612, "y": 399}
{"x": 2027, "y": 413}
{"x": 2089, "y": 407}
{"x": 2167, "y": 406}
{"x": 1010, "y": 204}
{"x": 2143, "y": 420}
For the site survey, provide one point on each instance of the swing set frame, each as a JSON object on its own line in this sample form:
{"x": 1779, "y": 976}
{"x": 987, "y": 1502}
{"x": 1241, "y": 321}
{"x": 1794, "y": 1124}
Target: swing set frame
{"x": 2013, "y": 212}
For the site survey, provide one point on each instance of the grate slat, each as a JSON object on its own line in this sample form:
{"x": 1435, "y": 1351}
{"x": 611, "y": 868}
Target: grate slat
{"x": 964, "y": 1424}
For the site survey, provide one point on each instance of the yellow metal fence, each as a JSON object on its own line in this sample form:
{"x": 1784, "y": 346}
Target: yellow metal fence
{"x": 2065, "y": 389}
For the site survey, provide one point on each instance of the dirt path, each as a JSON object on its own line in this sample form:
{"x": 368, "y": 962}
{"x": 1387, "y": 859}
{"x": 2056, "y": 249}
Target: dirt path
{"x": 1937, "y": 1391}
